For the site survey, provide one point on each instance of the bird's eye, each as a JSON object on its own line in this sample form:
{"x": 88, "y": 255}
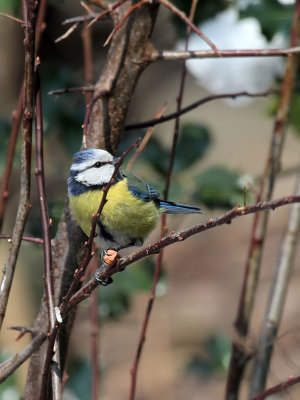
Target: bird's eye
{"x": 98, "y": 164}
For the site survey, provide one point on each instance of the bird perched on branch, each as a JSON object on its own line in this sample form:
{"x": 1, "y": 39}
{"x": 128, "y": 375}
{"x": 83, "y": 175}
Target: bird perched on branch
{"x": 133, "y": 206}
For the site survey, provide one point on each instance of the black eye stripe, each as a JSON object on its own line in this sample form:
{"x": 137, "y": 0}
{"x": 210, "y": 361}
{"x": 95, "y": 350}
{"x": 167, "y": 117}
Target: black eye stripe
{"x": 100, "y": 164}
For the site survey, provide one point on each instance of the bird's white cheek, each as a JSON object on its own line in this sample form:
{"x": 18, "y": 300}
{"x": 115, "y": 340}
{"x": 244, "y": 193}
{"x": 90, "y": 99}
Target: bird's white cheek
{"x": 96, "y": 176}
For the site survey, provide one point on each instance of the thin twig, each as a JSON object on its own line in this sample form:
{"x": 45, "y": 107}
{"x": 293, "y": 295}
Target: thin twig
{"x": 145, "y": 140}
{"x": 29, "y": 16}
{"x": 25, "y": 238}
{"x": 278, "y": 388}
{"x": 277, "y": 296}
{"x": 79, "y": 273}
{"x": 67, "y": 33}
{"x": 239, "y": 359}
{"x": 126, "y": 16}
{"x": 46, "y": 226}
{"x": 189, "y": 23}
{"x": 11, "y": 17}
{"x": 82, "y": 89}
{"x": 177, "y": 55}
{"x": 110, "y": 8}
{"x": 190, "y": 107}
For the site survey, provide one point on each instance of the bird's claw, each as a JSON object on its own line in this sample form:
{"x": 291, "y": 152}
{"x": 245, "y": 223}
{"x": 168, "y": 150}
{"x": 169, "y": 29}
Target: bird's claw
{"x": 109, "y": 256}
{"x": 103, "y": 282}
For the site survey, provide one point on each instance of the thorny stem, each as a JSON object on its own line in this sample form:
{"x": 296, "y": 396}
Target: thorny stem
{"x": 29, "y": 17}
{"x": 252, "y": 269}
{"x": 46, "y": 227}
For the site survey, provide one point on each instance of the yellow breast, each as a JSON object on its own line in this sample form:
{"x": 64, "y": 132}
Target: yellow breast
{"x": 122, "y": 212}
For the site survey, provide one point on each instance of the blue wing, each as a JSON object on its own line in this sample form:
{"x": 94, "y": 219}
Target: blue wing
{"x": 139, "y": 188}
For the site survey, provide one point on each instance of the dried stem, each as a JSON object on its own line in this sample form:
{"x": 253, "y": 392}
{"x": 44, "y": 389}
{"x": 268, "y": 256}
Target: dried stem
{"x": 10, "y": 155}
{"x": 278, "y": 388}
{"x": 29, "y": 16}
{"x": 188, "y": 22}
{"x": 177, "y": 55}
{"x": 25, "y": 238}
{"x": 46, "y": 227}
{"x": 192, "y": 106}
{"x": 81, "y": 89}
{"x": 277, "y": 298}
{"x": 252, "y": 269}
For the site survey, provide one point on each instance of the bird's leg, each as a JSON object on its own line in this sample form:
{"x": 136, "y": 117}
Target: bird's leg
{"x": 109, "y": 257}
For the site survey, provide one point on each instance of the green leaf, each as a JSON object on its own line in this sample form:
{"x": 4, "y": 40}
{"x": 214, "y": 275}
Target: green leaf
{"x": 156, "y": 155}
{"x": 213, "y": 357}
{"x": 218, "y": 187}
{"x": 193, "y": 144}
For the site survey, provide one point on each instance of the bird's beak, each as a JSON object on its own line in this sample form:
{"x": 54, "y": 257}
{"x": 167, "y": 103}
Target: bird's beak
{"x": 115, "y": 160}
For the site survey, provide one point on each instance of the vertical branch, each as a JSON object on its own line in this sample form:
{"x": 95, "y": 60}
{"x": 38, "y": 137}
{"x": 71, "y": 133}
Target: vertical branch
{"x": 48, "y": 273}
{"x": 16, "y": 121}
{"x": 277, "y": 298}
{"x": 29, "y": 16}
{"x": 239, "y": 357}
{"x": 87, "y": 56}
{"x": 158, "y": 265}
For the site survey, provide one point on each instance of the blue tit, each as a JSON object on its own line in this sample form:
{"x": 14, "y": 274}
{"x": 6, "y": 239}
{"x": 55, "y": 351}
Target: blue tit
{"x": 133, "y": 206}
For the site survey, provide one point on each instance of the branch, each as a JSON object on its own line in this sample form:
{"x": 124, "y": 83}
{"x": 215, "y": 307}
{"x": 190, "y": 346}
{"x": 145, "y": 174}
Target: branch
{"x": 10, "y": 365}
{"x": 177, "y": 55}
{"x": 278, "y": 388}
{"x": 204, "y": 100}
{"x": 82, "y": 89}
{"x": 25, "y": 238}
{"x": 48, "y": 272}
{"x": 179, "y": 236}
{"x": 29, "y": 16}
{"x": 277, "y": 296}
{"x": 253, "y": 263}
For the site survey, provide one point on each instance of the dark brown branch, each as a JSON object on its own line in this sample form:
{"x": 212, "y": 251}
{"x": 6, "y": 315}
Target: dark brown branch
{"x": 29, "y": 16}
{"x": 10, "y": 155}
{"x": 46, "y": 227}
{"x": 25, "y": 238}
{"x": 278, "y": 388}
{"x": 204, "y": 100}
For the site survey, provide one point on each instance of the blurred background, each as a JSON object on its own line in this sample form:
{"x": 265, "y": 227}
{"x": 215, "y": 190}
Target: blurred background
{"x": 223, "y": 148}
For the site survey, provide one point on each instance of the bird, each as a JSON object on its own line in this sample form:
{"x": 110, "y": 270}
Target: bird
{"x": 133, "y": 206}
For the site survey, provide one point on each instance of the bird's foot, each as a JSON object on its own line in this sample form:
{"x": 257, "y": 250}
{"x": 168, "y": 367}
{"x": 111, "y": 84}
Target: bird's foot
{"x": 109, "y": 258}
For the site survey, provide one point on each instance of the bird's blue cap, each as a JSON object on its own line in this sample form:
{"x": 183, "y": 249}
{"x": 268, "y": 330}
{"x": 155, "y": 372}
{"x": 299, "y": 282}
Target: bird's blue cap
{"x": 83, "y": 155}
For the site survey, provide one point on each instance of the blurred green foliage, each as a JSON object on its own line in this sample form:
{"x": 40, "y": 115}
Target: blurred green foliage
{"x": 205, "y": 9}
{"x": 8, "y": 388}
{"x": 213, "y": 358}
{"x": 79, "y": 380}
{"x": 219, "y": 187}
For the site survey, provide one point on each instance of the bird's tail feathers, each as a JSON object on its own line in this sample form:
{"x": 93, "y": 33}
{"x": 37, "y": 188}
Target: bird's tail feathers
{"x": 175, "y": 208}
